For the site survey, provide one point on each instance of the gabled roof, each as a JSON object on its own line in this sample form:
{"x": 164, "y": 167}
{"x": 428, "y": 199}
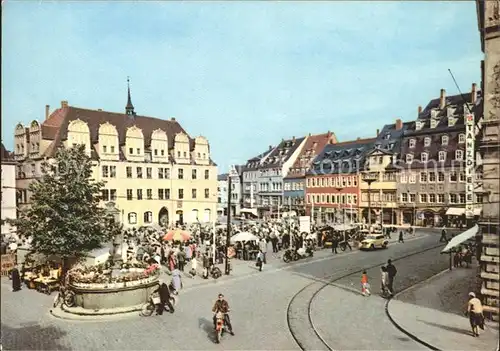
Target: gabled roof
{"x": 6, "y": 156}
{"x": 56, "y": 126}
{"x": 254, "y": 163}
{"x": 282, "y": 153}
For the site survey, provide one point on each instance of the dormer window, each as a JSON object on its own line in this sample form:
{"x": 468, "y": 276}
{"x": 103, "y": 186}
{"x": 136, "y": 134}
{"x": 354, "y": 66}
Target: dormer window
{"x": 450, "y": 111}
{"x": 411, "y": 143}
{"x": 427, "y": 141}
{"x": 434, "y": 113}
{"x": 434, "y": 123}
{"x": 387, "y": 136}
{"x": 461, "y": 138}
{"x": 452, "y": 121}
{"x": 444, "y": 140}
{"x": 442, "y": 156}
{"x": 314, "y": 145}
{"x": 424, "y": 157}
{"x": 459, "y": 155}
{"x": 409, "y": 158}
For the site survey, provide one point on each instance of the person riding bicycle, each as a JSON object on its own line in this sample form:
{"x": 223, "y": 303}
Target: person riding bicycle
{"x": 222, "y": 306}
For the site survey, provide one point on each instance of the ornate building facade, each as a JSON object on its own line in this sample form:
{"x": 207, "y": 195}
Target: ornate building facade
{"x": 432, "y": 178}
{"x": 154, "y": 172}
{"x": 9, "y": 200}
{"x": 295, "y": 182}
{"x": 382, "y": 189}
{"x": 489, "y": 26}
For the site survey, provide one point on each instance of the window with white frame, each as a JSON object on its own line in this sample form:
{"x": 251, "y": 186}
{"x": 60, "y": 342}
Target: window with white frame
{"x": 462, "y": 177}
{"x": 440, "y": 198}
{"x": 132, "y": 218}
{"x": 148, "y": 217}
{"x": 423, "y": 177}
{"x": 404, "y": 197}
{"x": 412, "y": 179}
{"x": 423, "y": 198}
{"x": 453, "y": 176}
{"x": 424, "y": 157}
{"x": 453, "y": 199}
{"x": 412, "y": 198}
{"x": 403, "y": 177}
{"x": 462, "y": 198}
{"x": 432, "y": 198}
{"x": 444, "y": 140}
{"x": 409, "y": 158}
{"x": 442, "y": 156}
{"x": 461, "y": 138}
{"x": 427, "y": 141}
{"x": 432, "y": 177}
{"x": 440, "y": 177}
{"x": 411, "y": 143}
{"x": 459, "y": 155}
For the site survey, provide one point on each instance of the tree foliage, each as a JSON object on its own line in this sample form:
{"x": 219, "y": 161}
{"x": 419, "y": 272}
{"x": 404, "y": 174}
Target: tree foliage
{"x": 64, "y": 217}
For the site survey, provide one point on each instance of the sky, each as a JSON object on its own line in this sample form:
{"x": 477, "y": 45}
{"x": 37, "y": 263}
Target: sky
{"x": 243, "y": 74}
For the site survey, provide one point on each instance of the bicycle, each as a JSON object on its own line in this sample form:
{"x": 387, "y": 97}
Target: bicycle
{"x": 149, "y": 307}
{"x": 64, "y": 296}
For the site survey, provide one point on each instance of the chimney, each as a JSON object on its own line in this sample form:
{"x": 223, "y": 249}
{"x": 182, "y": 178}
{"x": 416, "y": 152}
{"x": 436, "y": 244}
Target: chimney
{"x": 474, "y": 93}
{"x": 329, "y": 134}
{"x": 172, "y": 119}
{"x": 419, "y": 110}
{"x": 442, "y": 99}
{"x": 64, "y": 104}
{"x": 270, "y": 147}
{"x": 99, "y": 109}
{"x": 293, "y": 139}
{"x": 309, "y": 134}
{"x": 47, "y": 111}
{"x": 399, "y": 124}
{"x": 358, "y": 138}
{"x": 378, "y": 132}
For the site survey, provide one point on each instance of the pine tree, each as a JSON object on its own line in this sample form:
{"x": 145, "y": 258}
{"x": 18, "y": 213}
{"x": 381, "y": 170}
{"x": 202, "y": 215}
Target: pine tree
{"x": 64, "y": 217}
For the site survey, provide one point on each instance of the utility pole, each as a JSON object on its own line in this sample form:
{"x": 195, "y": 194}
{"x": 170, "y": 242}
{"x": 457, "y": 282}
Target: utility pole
{"x": 369, "y": 178}
{"x": 228, "y": 233}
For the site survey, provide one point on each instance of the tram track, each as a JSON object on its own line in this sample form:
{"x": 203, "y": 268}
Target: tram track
{"x": 299, "y": 317}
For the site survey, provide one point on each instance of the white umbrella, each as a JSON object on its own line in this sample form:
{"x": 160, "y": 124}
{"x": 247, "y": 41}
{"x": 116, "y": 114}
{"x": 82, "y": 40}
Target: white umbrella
{"x": 341, "y": 227}
{"x": 244, "y": 236}
{"x": 461, "y": 238}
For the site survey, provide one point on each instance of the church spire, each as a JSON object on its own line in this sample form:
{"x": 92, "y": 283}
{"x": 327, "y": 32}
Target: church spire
{"x": 129, "y": 109}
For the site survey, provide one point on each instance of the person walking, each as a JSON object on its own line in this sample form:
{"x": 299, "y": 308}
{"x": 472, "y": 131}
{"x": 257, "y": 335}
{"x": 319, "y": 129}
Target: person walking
{"x": 335, "y": 244}
{"x": 443, "y": 237}
{"x": 346, "y": 241}
{"x": 194, "y": 266}
{"x": 365, "y": 286}
{"x": 260, "y": 260}
{"x": 263, "y": 249}
{"x": 384, "y": 282}
{"x": 391, "y": 271}
{"x": 475, "y": 312}
{"x": 401, "y": 240}
{"x": 16, "y": 279}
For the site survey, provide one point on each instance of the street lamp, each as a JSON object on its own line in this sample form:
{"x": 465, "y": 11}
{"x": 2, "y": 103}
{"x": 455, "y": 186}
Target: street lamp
{"x": 343, "y": 209}
{"x": 369, "y": 178}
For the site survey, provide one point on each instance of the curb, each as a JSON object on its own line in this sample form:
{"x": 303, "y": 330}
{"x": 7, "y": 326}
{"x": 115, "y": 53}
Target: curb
{"x": 400, "y": 328}
{"x": 67, "y": 316}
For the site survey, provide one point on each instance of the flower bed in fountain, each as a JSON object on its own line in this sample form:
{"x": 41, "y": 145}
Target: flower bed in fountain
{"x": 101, "y": 290}
{"x": 102, "y": 277}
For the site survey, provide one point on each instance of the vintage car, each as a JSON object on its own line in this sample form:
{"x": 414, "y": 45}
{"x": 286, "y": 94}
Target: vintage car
{"x": 374, "y": 241}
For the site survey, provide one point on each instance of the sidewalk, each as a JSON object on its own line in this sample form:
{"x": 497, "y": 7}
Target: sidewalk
{"x": 432, "y": 311}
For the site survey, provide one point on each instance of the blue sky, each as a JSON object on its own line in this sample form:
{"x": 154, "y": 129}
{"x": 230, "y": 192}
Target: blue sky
{"x": 245, "y": 74}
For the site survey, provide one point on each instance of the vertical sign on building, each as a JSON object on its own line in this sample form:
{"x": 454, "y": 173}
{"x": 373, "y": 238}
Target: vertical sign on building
{"x": 469, "y": 165}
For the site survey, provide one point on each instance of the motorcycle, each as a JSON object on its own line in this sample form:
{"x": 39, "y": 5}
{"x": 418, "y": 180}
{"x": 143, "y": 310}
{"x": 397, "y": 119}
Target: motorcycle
{"x": 220, "y": 326}
{"x": 149, "y": 307}
{"x": 290, "y": 255}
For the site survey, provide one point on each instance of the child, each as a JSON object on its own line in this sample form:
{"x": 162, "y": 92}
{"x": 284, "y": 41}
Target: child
{"x": 365, "y": 287}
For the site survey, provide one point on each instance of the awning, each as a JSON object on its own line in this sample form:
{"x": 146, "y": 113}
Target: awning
{"x": 461, "y": 238}
{"x": 249, "y": 210}
{"x": 455, "y": 211}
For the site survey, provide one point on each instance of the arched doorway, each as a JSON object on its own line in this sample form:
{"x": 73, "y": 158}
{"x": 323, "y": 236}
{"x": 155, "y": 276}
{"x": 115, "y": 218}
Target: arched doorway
{"x": 180, "y": 217}
{"x": 206, "y": 215}
{"x": 163, "y": 219}
{"x": 194, "y": 216}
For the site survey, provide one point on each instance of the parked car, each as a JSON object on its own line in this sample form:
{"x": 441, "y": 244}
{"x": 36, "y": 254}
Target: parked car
{"x": 374, "y": 241}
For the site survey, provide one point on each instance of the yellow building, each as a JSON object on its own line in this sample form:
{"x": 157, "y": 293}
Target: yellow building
{"x": 154, "y": 172}
{"x": 383, "y": 175}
